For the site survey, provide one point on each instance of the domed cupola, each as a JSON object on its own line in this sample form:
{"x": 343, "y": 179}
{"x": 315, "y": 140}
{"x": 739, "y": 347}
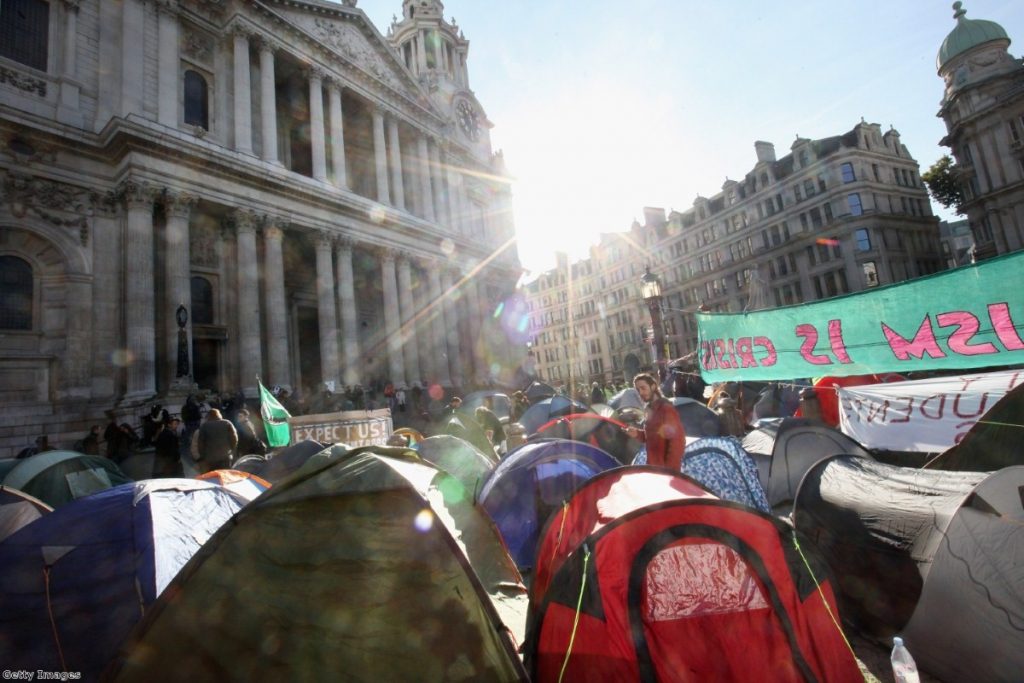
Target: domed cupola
{"x": 968, "y": 34}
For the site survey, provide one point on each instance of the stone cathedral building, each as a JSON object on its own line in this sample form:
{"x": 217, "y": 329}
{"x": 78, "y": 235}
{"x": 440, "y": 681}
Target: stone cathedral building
{"x": 321, "y": 198}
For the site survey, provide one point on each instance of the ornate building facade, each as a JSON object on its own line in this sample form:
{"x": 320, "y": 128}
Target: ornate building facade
{"x": 322, "y": 200}
{"x": 983, "y": 108}
{"x": 834, "y": 216}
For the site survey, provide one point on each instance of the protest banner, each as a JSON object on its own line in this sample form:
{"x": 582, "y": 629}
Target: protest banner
{"x": 925, "y": 416}
{"x": 356, "y": 428}
{"x": 971, "y": 317}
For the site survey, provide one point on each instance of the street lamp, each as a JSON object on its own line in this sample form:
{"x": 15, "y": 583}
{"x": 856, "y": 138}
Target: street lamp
{"x": 650, "y": 290}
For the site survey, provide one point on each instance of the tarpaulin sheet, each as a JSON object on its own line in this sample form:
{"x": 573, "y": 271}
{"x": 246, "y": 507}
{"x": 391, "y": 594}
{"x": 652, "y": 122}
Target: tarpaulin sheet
{"x": 928, "y": 415}
{"x": 970, "y": 317}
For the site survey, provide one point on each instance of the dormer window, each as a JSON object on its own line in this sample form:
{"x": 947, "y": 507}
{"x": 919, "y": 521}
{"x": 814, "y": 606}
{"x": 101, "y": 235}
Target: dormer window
{"x": 197, "y": 109}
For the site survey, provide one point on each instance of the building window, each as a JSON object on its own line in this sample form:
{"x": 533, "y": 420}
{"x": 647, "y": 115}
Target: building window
{"x": 804, "y": 159}
{"x": 870, "y": 274}
{"x": 197, "y": 108}
{"x": 16, "y": 293}
{"x": 25, "y": 31}
{"x": 202, "y": 301}
{"x": 853, "y": 201}
{"x": 828, "y": 211}
{"x": 847, "y": 170}
{"x": 863, "y": 238}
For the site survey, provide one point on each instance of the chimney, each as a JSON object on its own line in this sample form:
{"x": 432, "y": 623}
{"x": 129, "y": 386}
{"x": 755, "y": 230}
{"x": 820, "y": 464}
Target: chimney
{"x": 765, "y": 151}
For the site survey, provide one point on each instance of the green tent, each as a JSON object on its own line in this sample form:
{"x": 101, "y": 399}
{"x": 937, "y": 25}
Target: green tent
{"x": 370, "y": 566}
{"x": 59, "y": 477}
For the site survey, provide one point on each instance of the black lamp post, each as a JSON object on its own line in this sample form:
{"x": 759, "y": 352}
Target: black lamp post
{"x": 650, "y": 290}
{"x": 181, "y": 315}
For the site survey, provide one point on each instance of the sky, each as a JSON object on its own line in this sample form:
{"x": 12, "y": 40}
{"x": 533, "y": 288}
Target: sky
{"x": 603, "y": 107}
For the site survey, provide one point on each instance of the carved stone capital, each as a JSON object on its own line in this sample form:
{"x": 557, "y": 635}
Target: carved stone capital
{"x": 273, "y": 227}
{"x": 345, "y": 243}
{"x": 179, "y": 204}
{"x": 72, "y": 5}
{"x": 243, "y": 221}
{"x": 266, "y": 43}
{"x": 138, "y": 193}
{"x": 315, "y": 73}
{"x": 324, "y": 239}
{"x": 240, "y": 29}
{"x": 168, "y": 7}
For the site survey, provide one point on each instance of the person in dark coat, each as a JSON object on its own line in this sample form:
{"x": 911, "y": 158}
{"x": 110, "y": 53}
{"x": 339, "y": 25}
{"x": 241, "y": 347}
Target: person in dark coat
{"x": 663, "y": 431}
{"x": 248, "y": 441}
{"x": 166, "y": 458}
{"x": 216, "y": 442}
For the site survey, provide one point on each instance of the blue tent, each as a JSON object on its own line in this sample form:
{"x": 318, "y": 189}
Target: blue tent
{"x": 719, "y": 464}
{"x": 75, "y": 581}
{"x": 546, "y": 410}
{"x": 532, "y": 482}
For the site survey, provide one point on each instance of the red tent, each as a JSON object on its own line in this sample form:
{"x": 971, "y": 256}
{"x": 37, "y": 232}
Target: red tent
{"x": 689, "y": 590}
{"x": 828, "y": 397}
{"x": 603, "y": 498}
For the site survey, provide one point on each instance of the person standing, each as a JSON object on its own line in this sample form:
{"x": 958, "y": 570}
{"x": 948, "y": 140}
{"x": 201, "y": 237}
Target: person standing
{"x": 662, "y": 431}
{"x": 216, "y": 441}
{"x": 166, "y": 457}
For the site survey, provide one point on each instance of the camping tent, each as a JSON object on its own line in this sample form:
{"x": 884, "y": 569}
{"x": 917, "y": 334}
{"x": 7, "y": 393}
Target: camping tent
{"x": 698, "y": 420}
{"x": 458, "y": 458}
{"x": 627, "y": 398}
{"x": 364, "y": 567}
{"x": 531, "y": 483}
{"x": 538, "y": 391}
{"x": 992, "y": 443}
{"x": 78, "y": 579}
{"x": 601, "y": 499}
{"x": 502, "y": 405}
{"x": 58, "y": 477}
{"x": 288, "y": 459}
{"x": 245, "y": 484}
{"x": 547, "y": 409}
{"x": 466, "y": 427}
{"x": 606, "y": 433}
{"x": 689, "y": 590}
{"x": 935, "y": 556}
{"x": 784, "y": 449}
{"x": 719, "y": 464}
{"x": 18, "y": 509}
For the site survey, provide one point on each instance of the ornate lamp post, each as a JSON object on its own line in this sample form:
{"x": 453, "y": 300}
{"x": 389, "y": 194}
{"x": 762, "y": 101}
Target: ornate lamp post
{"x": 650, "y": 290}
{"x": 181, "y": 315}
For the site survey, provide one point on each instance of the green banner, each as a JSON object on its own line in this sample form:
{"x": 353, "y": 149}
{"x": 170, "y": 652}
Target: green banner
{"x": 971, "y": 317}
{"x": 275, "y": 419}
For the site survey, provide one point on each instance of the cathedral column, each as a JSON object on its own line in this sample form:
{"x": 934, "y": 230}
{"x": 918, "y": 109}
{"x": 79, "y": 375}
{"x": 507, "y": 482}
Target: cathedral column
{"x": 454, "y": 208}
{"x": 277, "y": 313}
{"x": 243, "y": 91}
{"x": 140, "y": 307}
{"x": 268, "y": 100}
{"x": 440, "y": 329}
{"x": 250, "y": 347}
{"x": 167, "y": 64}
{"x": 380, "y": 156}
{"x": 133, "y": 26}
{"x": 451, "y": 317}
{"x": 421, "y": 53}
{"x": 316, "y": 124}
{"x": 337, "y": 135}
{"x": 467, "y": 227}
{"x": 474, "y": 319}
{"x": 408, "y": 311}
{"x": 424, "y": 174}
{"x": 437, "y": 182}
{"x": 347, "y": 304}
{"x": 178, "y": 208}
{"x": 395, "y": 153}
{"x": 326, "y": 309}
{"x": 392, "y": 320}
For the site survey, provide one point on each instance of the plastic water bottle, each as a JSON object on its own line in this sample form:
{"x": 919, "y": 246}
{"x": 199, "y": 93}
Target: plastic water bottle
{"x": 904, "y": 669}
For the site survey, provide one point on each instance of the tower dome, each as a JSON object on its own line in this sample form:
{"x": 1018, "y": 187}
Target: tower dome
{"x": 968, "y": 34}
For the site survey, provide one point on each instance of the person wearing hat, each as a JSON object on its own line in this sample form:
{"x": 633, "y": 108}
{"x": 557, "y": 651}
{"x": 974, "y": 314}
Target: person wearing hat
{"x": 663, "y": 431}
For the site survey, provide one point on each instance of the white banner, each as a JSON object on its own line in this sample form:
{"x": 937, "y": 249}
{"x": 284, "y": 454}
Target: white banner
{"x": 356, "y": 428}
{"x": 926, "y": 415}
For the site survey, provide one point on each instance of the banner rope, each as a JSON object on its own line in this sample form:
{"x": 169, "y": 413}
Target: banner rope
{"x": 821, "y": 593}
{"x": 576, "y": 619}
{"x": 53, "y": 622}
{"x": 561, "y": 528}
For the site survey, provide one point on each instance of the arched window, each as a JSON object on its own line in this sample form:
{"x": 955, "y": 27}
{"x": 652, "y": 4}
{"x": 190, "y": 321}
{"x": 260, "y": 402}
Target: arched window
{"x": 16, "y": 290}
{"x": 202, "y": 301}
{"x": 197, "y": 110}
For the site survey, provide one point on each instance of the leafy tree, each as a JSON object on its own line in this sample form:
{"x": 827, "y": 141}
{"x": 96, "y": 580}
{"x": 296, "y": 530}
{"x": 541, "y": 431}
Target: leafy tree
{"x": 943, "y": 185}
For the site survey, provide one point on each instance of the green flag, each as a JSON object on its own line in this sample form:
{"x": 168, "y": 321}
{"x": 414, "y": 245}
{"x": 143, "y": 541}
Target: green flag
{"x": 275, "y": 419}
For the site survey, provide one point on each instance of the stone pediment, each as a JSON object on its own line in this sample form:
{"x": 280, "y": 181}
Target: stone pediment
{"x": 347, "y": 32}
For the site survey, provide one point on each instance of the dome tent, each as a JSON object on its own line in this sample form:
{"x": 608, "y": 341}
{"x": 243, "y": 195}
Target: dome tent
{"x": 375, "y": 566}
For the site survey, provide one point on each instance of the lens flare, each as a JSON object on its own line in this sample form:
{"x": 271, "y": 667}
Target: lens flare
{"x": 447, "y": 247}
{"x": 424, "y": 520}
{"x": 121, "y": 358}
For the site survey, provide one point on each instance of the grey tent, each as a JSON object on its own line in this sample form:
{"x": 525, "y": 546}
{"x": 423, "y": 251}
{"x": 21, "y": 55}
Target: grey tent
{"x": 364, "y": 567}
{"x": 993, "y": 442}
{"x": 785, "y": 448}
{"x": 18, "y": 509}
{"x": 58, "y": 477}
{"x": 935, "y": 556}
{"x": 458, "y": 458}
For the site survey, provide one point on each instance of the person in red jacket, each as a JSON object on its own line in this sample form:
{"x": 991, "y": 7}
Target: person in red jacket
{"x": 663, "y": 431}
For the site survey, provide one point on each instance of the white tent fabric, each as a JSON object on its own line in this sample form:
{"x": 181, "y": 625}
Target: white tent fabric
{"x": 926, "y": 415}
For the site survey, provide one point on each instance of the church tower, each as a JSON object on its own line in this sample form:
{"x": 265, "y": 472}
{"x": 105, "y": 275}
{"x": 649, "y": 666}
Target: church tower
{"x": 435, "y": 51}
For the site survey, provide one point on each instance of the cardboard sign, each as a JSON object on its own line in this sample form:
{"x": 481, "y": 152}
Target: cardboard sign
{"x": 971, "y": 317}
{"x": 355, "y": 428}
